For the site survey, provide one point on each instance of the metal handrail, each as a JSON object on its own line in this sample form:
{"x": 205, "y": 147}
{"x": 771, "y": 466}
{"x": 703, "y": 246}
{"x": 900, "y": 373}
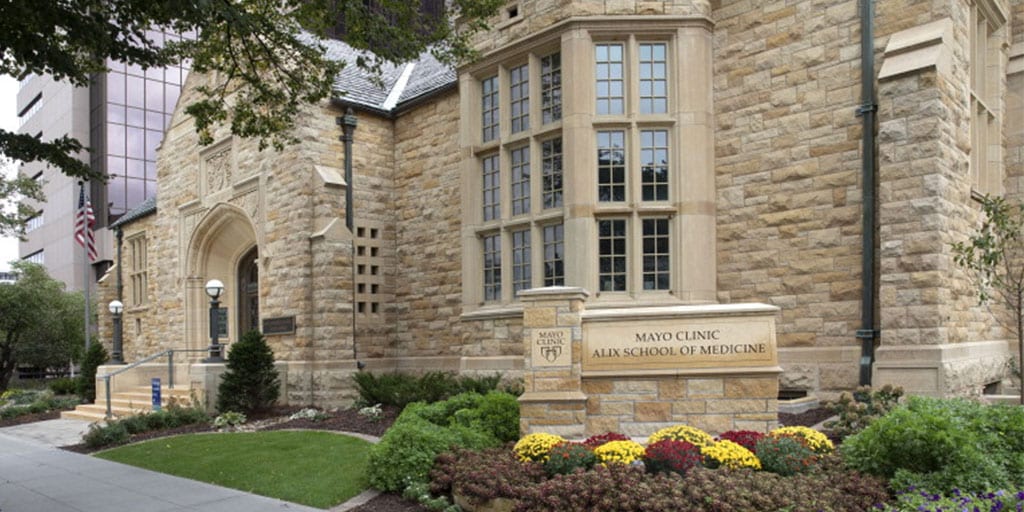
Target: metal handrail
{"x": 170, "y": 370}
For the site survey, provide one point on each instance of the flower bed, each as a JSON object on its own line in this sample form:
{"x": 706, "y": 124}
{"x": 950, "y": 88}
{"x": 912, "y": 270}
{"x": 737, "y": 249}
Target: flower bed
{"x": 682, "y": 468}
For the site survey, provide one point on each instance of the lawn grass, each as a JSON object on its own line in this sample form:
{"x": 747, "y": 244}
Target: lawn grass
{"x": 319, "y": 469}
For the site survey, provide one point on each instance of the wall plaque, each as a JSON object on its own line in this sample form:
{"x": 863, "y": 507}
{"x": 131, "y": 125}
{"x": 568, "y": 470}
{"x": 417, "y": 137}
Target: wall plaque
{"x": 679, "y": 343}
{"x": 279, "y": 325}
{"x": 551, "y": 346}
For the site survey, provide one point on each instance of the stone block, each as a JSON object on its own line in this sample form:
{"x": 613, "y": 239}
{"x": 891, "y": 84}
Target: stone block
{"x": 752, "y": 387}
{"x": 598, "y": 386}
{"x": 685, "y": 407}
{"x": 540, "y": 317}
{"x": 601, "y": 424}
{"x": 653, "y": 411}
{"x": 736, "y": 406}
{"x": 670, "y": 389}
{"x": 705, "y": 387}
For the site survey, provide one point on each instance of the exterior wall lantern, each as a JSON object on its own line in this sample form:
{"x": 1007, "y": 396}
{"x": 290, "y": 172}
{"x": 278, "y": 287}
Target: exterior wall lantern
{"x": 117, "y": 353}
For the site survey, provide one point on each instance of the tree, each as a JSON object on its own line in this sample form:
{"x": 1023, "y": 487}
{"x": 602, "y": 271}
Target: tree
{"x": 268, "y": 63}
{"x": 95, "y": 357}
{"x": 994, "y": 255}
{"x": 40, "y": 323}
{"x": 251, "y": 382}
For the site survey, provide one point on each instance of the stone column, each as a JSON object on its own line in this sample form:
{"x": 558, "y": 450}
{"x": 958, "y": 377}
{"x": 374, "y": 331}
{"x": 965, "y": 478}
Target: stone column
{"x": 553, "y": 401}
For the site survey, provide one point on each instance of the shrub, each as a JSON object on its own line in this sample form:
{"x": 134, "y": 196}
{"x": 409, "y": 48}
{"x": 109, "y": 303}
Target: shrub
{"x": 251, "y": 382}
{"x": 112, "y": 434}
{"x": 816, "y": 441}
{"x": 729, "y": 455}
{"x": 943, "y": 444}
{"x": 599, "y": 439}
{"x": 401, "y": 389}
{"x": 483, "y": 475}
{"x": 784, "y": 455}
{"x": 63, "y": 386}
{"x": 925, "y": 501}
{"x": 745, "y": 438}
{"x": 856, "y": 411}
{"x": 94, "y": 357}
{"x": 687, "y": 433}
{"x": 671, "y": 455}
{"x": 496, "y": 412}
{"x": 536, "y": 447}
{"x": 568, "y": 457}
{"x": 407, "y": 450}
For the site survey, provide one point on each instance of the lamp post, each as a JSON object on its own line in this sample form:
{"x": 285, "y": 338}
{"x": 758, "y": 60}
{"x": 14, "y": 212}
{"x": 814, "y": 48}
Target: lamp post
{"x": 117, "y": 354}
{"x": 214, "y": 288}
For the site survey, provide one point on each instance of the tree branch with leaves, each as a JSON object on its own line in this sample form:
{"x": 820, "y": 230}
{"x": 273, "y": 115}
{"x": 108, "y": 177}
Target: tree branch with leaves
{"x": 994, "y": 257}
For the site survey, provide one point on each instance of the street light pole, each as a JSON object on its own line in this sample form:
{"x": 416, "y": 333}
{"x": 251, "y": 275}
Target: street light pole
{"x": 214, "y": 288}
{"x": 117, "y": 353}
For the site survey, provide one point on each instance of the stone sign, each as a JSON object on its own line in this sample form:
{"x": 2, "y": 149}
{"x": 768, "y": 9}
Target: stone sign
{"x": 551, "y": 347}
{"x": 679, "y": 344}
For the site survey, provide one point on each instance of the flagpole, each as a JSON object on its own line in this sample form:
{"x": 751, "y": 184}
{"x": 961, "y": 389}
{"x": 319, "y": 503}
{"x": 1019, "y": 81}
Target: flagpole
{"x": 85, "y": 282}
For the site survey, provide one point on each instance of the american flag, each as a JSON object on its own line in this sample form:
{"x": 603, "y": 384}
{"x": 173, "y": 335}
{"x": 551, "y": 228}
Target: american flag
{"x": 84, "y": 222}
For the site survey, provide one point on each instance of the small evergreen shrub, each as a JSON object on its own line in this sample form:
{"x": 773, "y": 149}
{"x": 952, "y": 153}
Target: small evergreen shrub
{"x": 112, "y": 434}
{"x": 669, "y": 455}
{"x": 784, "y": 455}
{"x": 942, "y": 445}
{"x": 63, "y": 386}
{"x": 251, "y": 382}
{"x": 857, "y": 410}
{"x": 94, "y": 358}
{"x": 568, "y": 457}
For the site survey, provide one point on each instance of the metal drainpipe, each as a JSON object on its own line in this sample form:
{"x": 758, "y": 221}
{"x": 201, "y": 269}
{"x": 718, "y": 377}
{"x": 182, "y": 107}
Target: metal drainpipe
{"x": 348, "y": 124}
{"x": 120, "y": 284}
{"x": 867, "y": 333}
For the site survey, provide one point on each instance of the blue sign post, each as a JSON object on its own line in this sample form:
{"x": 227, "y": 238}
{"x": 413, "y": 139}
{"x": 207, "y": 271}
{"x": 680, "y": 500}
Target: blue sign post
{"x": 156, "y": 393}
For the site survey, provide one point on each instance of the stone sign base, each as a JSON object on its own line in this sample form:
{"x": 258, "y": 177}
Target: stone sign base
{"x": 635, "y": 371}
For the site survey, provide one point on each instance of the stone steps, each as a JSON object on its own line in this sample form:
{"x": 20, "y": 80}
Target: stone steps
{"x": 126, "y": 403}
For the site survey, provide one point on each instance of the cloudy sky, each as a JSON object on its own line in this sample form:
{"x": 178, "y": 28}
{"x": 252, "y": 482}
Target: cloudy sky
{"x": 9, "y": 121}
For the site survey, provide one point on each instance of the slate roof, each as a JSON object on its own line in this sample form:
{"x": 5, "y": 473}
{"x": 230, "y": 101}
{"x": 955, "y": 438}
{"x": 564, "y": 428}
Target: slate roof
{"x": 144, "y": 208}
{"x": 425, "y": 75}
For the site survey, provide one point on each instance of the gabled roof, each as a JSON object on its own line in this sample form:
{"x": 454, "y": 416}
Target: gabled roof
{"x": 144, "y": 208}
{"x": 397, "y": 84}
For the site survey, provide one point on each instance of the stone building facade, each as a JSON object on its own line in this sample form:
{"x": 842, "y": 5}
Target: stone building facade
{"x": 683, "y": 153}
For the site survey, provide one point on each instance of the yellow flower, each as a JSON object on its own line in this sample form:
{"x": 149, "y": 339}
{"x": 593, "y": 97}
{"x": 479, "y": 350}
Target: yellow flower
{"x": 731, "y": 455}
{"x": 536, "y": 447}
{"x": 816, "y": 441}
{"x": 693, "y": 435}
{"x": 623, "y": 452}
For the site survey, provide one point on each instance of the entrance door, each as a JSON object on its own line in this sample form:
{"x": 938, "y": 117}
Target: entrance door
{"x": 248, "y": 293}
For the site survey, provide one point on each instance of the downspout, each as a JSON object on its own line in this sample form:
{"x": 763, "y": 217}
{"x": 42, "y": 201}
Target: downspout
{"x": 348, "y": 127}
{"x": 867, "y": 333}
{"x": 120, "y": 283}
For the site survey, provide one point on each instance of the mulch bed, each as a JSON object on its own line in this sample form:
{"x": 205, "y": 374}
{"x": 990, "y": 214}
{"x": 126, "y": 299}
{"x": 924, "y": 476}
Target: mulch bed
{"x": 349, "y": 420}
{"x": 29, "y": 418}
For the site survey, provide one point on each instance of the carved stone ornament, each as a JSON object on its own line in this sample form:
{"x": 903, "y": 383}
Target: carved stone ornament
{"x": 218, "y": 170}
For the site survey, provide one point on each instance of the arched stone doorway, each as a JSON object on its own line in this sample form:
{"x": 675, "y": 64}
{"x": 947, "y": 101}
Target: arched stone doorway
{"x": 249, "y": 292}
{"x": 222, "y": 246}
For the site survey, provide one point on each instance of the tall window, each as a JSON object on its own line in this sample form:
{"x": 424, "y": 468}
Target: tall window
{"x": 491, "y": 188}
{"x": 654, "y": 165}
{"x": 609, "y": 73}
{"x": 520, "y": 159}
{"x": 551, "y": 87}
{"x": 492, "y": 267}
{"x": 554, "y": 265}
{"x": 521, "y": 274}
{"x": 653, "y": 91}
{"x": 611, "y": 248}
{"x": 489, "y": 108}
{"x": 611, "y": 166}
{"x": 656, "y": 254}
{"x": 986, "y": 82}
{"x": 551, "y": 160}
{"x": 137, "y": 271}
{"x": 519, "y": 93}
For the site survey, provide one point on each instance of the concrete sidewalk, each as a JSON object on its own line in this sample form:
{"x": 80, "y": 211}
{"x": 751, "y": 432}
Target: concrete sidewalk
{"x": 35, "y": 476}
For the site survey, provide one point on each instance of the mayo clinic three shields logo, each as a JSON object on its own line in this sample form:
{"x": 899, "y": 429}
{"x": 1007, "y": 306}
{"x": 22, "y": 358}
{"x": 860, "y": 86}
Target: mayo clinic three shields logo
{"x": 551, "y": 347}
